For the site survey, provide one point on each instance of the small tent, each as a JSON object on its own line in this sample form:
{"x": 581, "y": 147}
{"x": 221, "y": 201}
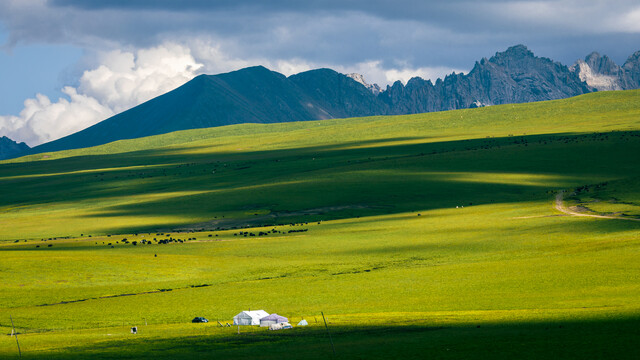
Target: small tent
{"x": 273, "y": 319}
{"x": 249, "y": 317}
{"x": 303, "y": 322}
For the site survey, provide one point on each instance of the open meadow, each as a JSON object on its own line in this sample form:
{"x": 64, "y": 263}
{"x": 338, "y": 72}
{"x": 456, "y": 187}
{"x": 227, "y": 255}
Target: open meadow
{"x": 432, "y": 235}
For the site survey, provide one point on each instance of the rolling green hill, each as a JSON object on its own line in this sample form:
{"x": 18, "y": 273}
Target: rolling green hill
{"x": 431, "y": 233}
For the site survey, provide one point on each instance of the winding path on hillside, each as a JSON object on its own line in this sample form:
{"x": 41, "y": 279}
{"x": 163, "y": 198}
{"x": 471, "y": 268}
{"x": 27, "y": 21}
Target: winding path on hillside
{"x": 562, "y": 208}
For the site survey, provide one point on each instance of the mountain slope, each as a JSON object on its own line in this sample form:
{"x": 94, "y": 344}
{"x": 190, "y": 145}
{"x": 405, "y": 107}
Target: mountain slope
{"x": 251, "y": 95}
{"x": 339, "y": 95}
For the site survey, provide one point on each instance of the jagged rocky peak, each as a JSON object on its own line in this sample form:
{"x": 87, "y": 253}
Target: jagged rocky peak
{"x": 519, "y": 59}
{"x": 418, "y": 81}
{"x": 633, "y": 60}
{"x": 631, "y": 70}
{"x": 602, "y": 64}
{"x": 633, "y": 64}
{"x": 599, "y": 72}
{"x": 514, "y": 53}
{"x": 374, "y": 88}
{"x": 602, "y": 73}
{"x": 596, "y": 80}
{"x": 518, "y": 51}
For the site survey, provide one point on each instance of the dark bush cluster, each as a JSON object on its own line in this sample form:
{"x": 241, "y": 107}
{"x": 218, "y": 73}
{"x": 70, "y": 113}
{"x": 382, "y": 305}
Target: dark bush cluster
{"x": 260, "y": 233}
{"x": 170, "y": 240}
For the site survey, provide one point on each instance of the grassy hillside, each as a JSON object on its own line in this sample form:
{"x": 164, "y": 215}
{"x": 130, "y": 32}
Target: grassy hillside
{"x": 432, "y": 233}
{"x": 419, "y": 162}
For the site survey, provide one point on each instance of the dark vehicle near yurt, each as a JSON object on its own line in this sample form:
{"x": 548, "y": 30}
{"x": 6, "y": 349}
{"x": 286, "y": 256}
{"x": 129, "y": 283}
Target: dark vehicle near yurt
{"x": 199, "y": 319}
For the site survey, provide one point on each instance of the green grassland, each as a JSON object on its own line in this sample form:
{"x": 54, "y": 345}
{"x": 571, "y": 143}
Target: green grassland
{"x": 422, "y": 235}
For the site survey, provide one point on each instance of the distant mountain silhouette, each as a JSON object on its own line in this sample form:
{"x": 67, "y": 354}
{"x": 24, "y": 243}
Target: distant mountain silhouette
{"x": 258, "y": 95}
{"x": 10, "y": 149}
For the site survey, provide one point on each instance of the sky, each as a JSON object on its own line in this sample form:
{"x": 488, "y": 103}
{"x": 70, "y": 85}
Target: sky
{"x": 68, "y": 64}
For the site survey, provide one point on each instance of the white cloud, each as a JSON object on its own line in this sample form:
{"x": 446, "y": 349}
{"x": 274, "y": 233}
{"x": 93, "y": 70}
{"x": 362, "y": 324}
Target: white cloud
{"x": 42, "y": 120}
{"x": 125, "y": 80}
{"x": 213, "y": 58}
{"x": 121, "y": 81}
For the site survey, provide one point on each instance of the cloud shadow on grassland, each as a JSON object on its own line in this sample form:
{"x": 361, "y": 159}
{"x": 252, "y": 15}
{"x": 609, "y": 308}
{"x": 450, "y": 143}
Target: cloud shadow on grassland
{"x": 374, "y": 180}
{"x": 612, "y": 338}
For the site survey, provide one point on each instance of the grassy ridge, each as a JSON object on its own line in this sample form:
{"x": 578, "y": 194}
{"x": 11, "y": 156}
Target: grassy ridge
{"x": 446, "y": 217}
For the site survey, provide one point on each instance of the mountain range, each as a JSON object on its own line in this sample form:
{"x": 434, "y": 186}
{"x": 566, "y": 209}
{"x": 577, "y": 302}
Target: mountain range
{"x": 259, "y": 95}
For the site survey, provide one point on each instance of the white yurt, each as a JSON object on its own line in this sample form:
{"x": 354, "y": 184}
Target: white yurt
{"x": 272, "y": 319}
{"x": 303, "y": 322}
{"x": 249, "y": 317}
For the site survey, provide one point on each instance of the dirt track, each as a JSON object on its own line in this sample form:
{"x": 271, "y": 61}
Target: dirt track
{"x": 562, "y": 208}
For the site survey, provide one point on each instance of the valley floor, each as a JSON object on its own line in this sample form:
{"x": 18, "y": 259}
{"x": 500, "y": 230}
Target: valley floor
{"x": 451, "y": 283}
